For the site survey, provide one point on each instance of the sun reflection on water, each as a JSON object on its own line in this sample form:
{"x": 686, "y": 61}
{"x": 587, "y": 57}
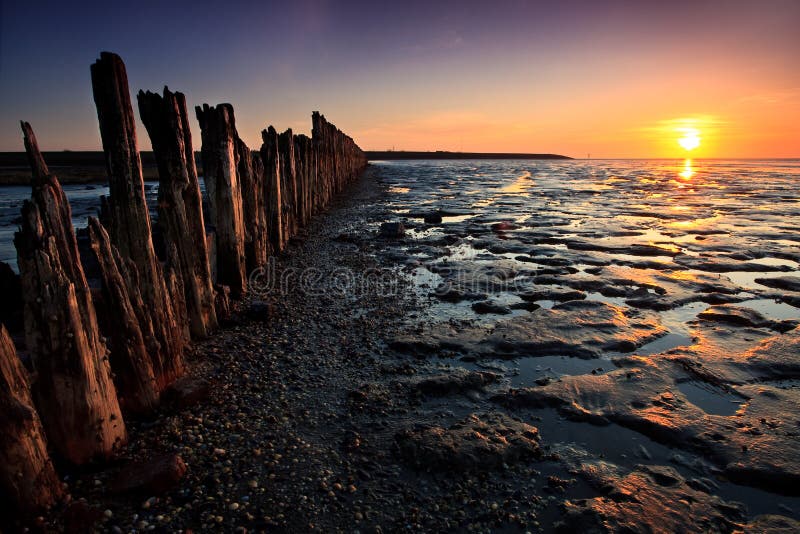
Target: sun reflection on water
{"x": 688, "y": 171}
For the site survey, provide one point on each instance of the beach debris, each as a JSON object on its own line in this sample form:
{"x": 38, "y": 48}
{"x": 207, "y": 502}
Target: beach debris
{"x": 154, "y": 475}
{"x": 392, "y": 229}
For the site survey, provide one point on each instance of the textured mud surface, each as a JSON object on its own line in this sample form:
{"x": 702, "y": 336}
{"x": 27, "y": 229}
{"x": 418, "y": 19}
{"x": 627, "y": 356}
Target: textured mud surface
{"x": 595, "y": 347}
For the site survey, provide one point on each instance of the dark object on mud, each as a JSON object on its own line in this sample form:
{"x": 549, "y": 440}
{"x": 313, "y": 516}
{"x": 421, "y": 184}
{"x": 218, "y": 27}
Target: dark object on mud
{"x": 392, "y": 230}
{"x": 27, "y": 477}
{"x": 433, "y": 218}
{"x": 260, "y": 310}
{"x": 153, "y": 476}
{"x": 456, "y": 381}
{"x": 503, "y": 227}
{"x": 789, "y": 283}
{"x": 488, "y": 306}
{"x": 736, "y": 315}
{"x": 186, "y": 392}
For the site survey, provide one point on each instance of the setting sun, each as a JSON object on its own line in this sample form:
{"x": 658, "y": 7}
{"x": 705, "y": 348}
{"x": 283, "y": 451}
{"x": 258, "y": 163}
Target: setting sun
{"x": 690, "y": 139}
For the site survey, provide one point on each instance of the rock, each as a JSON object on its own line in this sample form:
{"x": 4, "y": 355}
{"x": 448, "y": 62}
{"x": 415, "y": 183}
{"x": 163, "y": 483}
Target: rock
{"x": 503, "y": 227}
{"x": 187, "y": 391}
{"x": 259, "y": 310}
{"x": 557, "y": 295}
{"x": 479, "y": 442}
{"x": 648, "y": 497}
{"x": 744, "y": 317}
{"x": 153, "y": 476}
{"x": 392, "y": 230}
{"x": 433, "y": 218}
{"x": 488, "y": 306}
{"x": 449, "y": 293}
{"x": 455, "y": 381}
{"x": 789, "y": 283}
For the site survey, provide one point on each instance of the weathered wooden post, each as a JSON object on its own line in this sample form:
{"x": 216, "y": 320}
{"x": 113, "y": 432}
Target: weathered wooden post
{"x": 251, "y": 170}
{"x": 27, "y": 476}
{"x": 133, "y": 368}
{"x": 273, "y": 191}
{"x": 180, "y": 212}
{"x": 74, "y": 392}
{"x": 220, "y": 169}
{"x": 289, "y": 181}
{"x": 305, "y": 173}
{"x": 130, "y": 221}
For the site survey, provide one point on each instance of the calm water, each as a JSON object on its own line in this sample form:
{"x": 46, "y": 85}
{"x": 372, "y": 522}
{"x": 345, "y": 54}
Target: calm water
{"x": 721, "y": 222}
{"x": 679, "y": 233}
{"x": 83, "y": 199}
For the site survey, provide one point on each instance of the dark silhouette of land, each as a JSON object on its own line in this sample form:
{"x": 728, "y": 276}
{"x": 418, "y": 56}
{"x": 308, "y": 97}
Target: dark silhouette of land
{"x": 442, "y": 154}
{"x": 78, "y": 167}
{"x": 83, "y": 167}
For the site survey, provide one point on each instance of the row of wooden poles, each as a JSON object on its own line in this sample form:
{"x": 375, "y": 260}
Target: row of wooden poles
{"x": 97, "y": 357}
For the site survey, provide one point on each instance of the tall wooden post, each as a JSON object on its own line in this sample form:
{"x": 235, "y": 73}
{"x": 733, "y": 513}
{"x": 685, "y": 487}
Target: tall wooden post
{"x": 180, "y": 212}
{"x": 74, "y": 392}
{"x": 220, "y": 169}
{"x": 130, "y": 221}
{"x": 273, "y": 191}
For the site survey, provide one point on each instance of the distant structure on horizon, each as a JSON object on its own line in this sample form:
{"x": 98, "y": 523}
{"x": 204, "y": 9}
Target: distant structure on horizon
{"x": 375, "y": 155}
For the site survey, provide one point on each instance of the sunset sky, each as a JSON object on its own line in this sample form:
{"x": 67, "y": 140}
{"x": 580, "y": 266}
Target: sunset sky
{"x": 607, "y": 78}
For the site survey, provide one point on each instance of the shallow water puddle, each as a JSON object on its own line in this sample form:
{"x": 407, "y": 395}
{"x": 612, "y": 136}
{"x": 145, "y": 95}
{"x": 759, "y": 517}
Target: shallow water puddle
{"x": 663, "y": 344}
{"x": 711, "y": 399}
{"x": 772, "y": 309}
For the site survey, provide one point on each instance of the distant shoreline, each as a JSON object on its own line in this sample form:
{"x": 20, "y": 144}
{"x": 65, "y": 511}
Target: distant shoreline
{"x": 87, "y": 167}
{"x": 440, "y": 154}
{"x": 78, "y": 167}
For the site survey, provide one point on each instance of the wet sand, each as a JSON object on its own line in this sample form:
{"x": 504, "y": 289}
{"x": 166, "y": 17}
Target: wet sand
{"x": 538, "y": 358}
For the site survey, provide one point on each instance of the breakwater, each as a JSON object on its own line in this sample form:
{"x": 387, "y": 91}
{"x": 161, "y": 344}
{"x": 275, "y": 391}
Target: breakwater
{"x": 100, "y": 355}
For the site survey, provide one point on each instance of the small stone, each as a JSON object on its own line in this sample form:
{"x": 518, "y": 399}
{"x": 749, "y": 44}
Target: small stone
{"x": 392, "y": 229}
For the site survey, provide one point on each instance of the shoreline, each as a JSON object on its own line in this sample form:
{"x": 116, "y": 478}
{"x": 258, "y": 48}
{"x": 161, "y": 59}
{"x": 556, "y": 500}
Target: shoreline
{"x": 316, "y": 420}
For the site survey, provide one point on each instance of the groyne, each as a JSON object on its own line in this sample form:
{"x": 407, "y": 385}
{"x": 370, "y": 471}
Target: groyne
{"x": 107, "y": 326}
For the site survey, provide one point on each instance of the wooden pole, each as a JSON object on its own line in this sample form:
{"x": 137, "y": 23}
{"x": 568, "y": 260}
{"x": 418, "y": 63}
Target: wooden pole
{"x": 223, "y": 186}
{"x": 180, "y": 212}
{"x": 130, "y": 221}
{"x": 74, "y": 392}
